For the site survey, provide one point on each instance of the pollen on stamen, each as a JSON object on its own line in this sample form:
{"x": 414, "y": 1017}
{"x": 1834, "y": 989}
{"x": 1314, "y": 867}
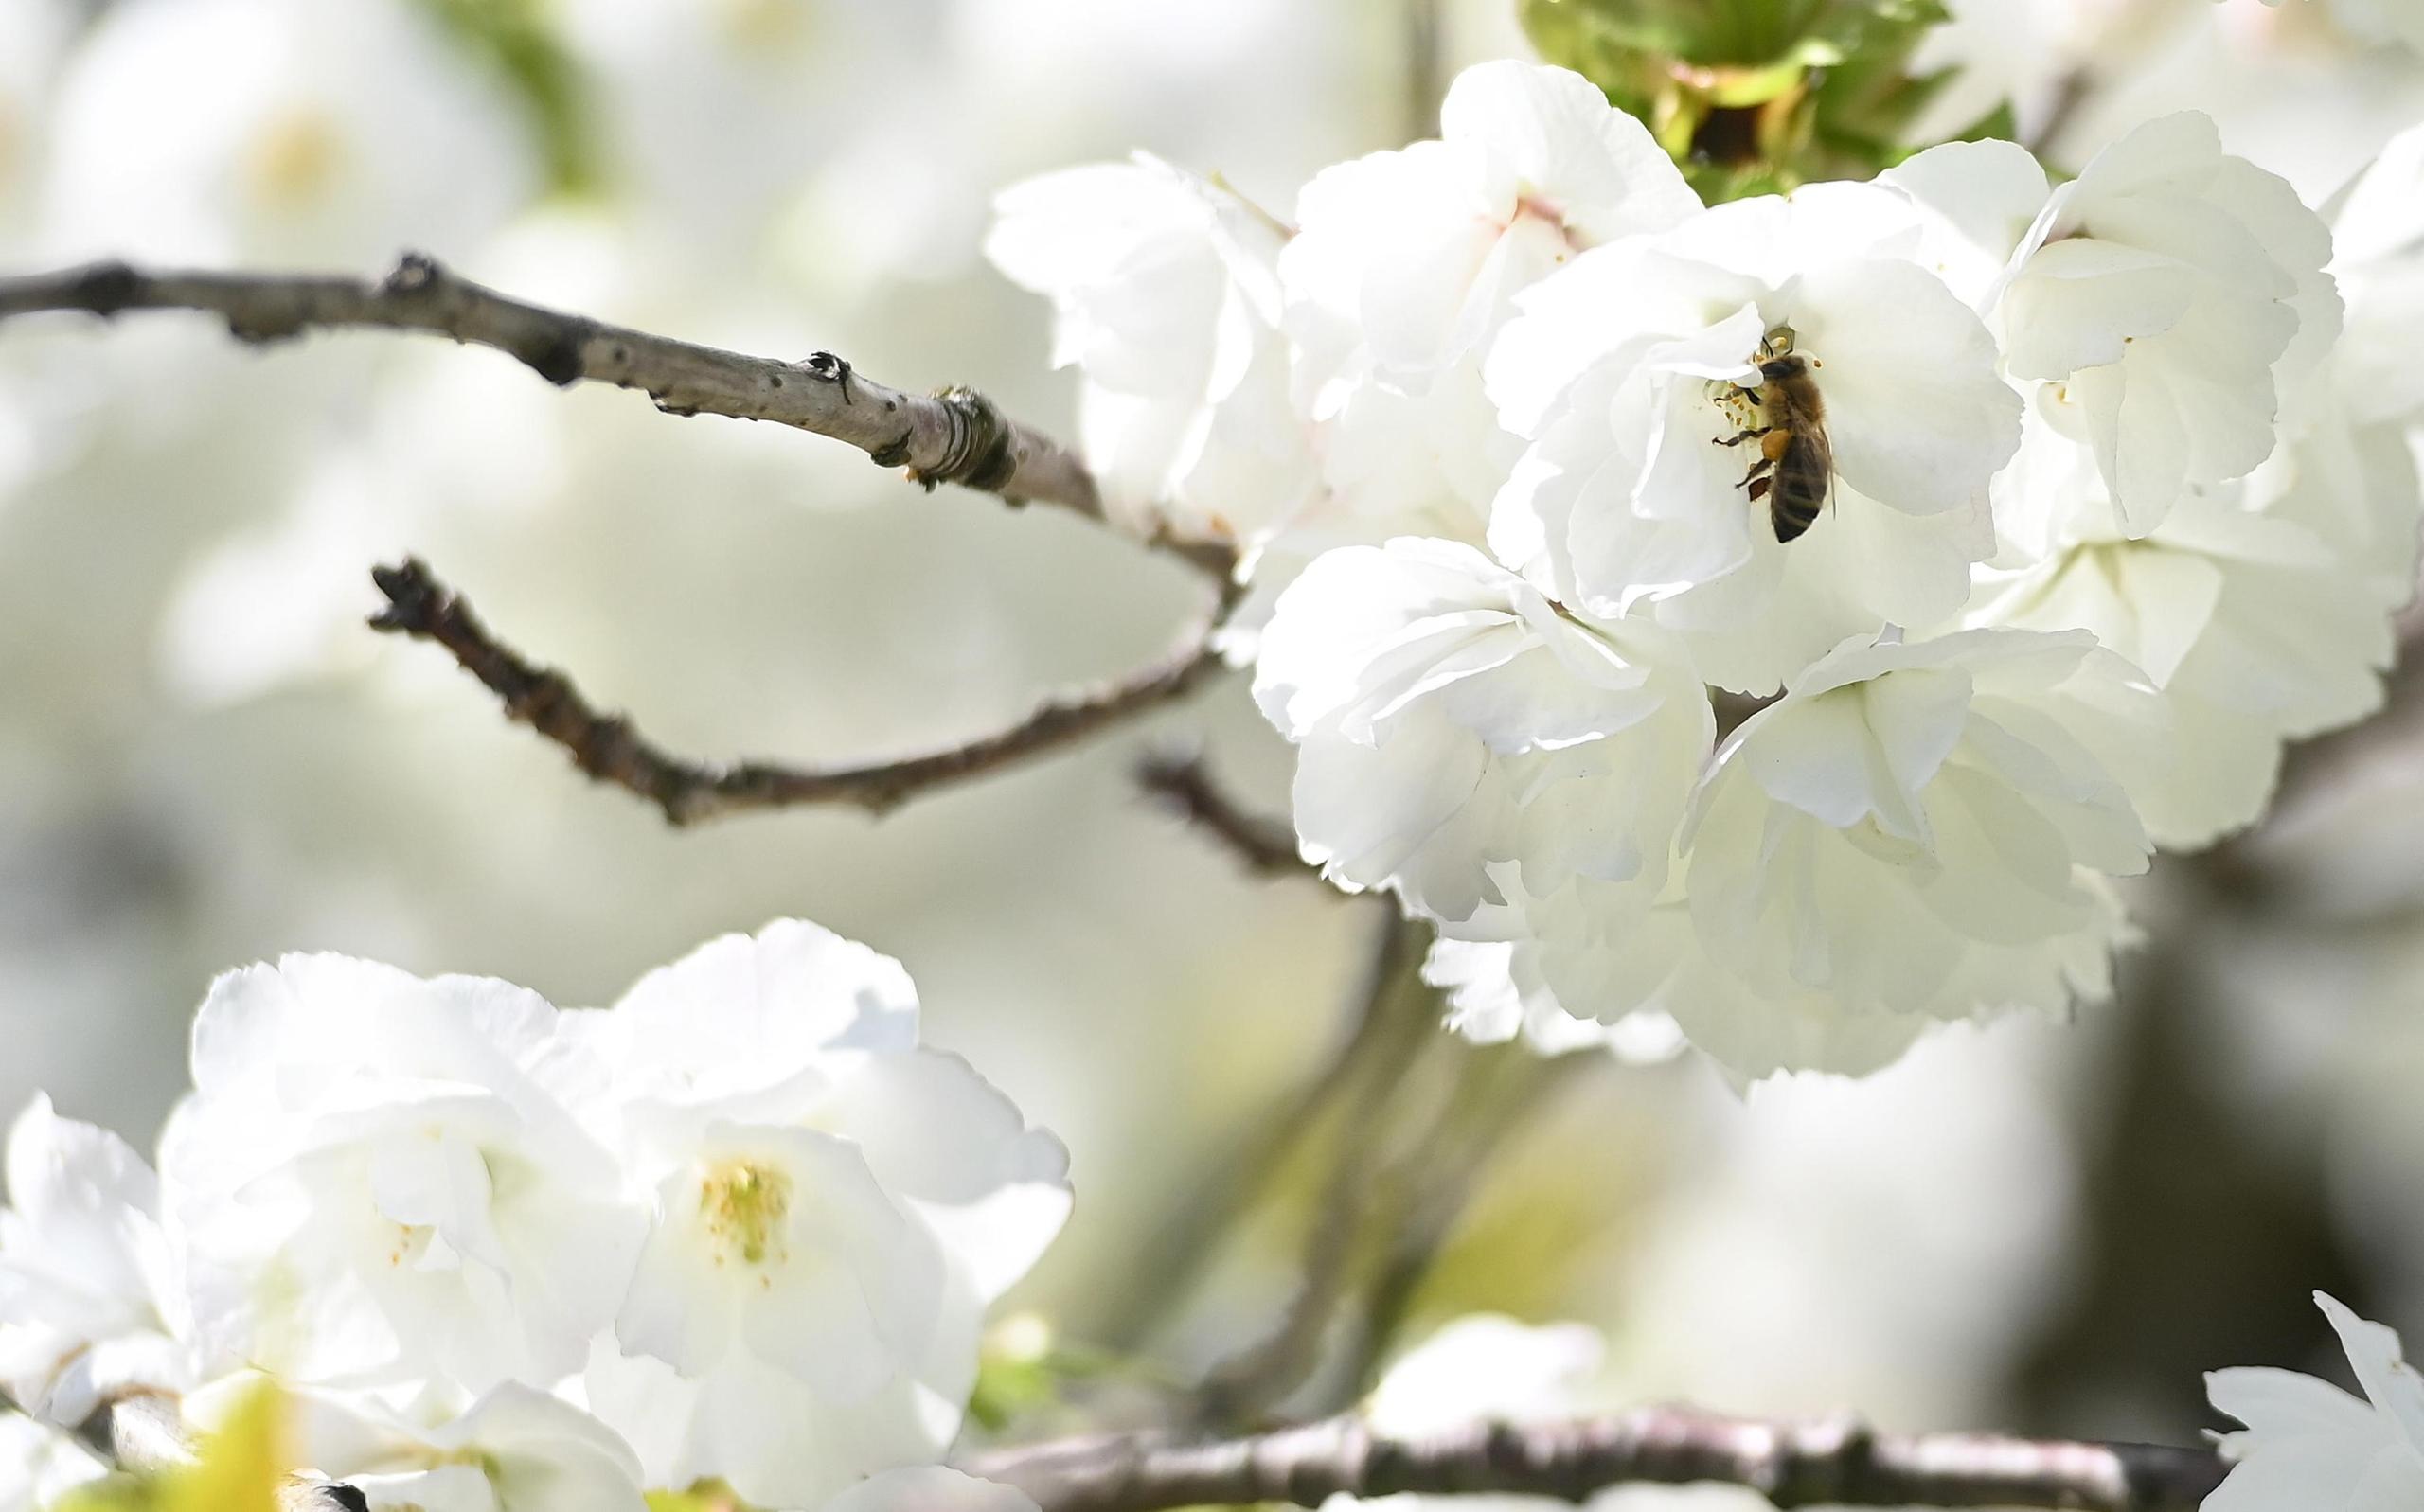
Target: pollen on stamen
{"x": 743, "y": 1205}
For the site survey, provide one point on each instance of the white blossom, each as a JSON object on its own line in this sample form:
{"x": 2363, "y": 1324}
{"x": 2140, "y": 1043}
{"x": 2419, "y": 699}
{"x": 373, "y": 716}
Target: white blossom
{"x": 1405, "y": 263}
{"x": 40, "y": 1464}
{"x": 2377, "y": 20}
{"x": 2243, "y": 616}
{"x": 1167, "y": 297}
{"x": 2161, "y": 302}
{"x": 1639, "y": 973}
{"x": 1449, "y": 718}
{"x": 379, "y": 1180}
{"x": 1416, "y": 252}
{"x": 304, "y": 132}
{"x": 88, "y": 1282}
{"x": 2378, "y": 260}
{"x": 1924, "y": 827}
{"x": 2310, "y": 1446}
{"x": 1403, "y": 266}
{"x": 1623, "y": 372}
{"x": 832, "y": 1205}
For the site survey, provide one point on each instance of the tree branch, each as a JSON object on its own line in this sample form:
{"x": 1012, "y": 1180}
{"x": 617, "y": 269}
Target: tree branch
{"x": 1835, "y": 1463}
{"x": 610, "y": 750}
{"x": 1183, "y": 784}
{"x": 953, "y": 435}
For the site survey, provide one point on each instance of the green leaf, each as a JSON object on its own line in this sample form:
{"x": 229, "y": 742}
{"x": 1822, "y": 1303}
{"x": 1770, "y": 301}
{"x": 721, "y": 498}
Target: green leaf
{"x": 515, "y": 38}
{"x": 1752, "y": 97}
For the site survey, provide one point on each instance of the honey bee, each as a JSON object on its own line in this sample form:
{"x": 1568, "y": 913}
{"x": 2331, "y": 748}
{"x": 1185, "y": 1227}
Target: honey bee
{"x": 1796, "y": 471}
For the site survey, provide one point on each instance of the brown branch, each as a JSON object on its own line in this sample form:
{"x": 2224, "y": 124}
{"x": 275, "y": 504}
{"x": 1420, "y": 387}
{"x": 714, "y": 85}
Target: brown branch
{"x": 610, "y": 750}
{"x": 1835, "y": 1463}
{"x": 1182, "y": 784}
{"x": 953, "y": 435}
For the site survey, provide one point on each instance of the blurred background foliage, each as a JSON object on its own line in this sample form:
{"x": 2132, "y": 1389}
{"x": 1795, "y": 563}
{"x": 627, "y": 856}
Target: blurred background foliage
{"x": 206, "y": 760}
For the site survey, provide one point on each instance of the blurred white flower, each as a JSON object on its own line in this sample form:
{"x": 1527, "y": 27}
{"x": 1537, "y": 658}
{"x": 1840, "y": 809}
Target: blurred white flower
{"x": 1758, "y": 1280}
{"x": 38, "y": 32}
{"x": 2310, "y": 1446}
{"x": 1167, "y": 301}
{"x": 1485, "y": 1368}
{"x": 2163, "y": 301}
{"x": 1991, "y": 53}
{"x": 684, "y": 82}
{"x": 88, "y": 1285}
{"x": 832, "y": 1206}
{"x": 304, "y": 132}
{"x": 1449, "y": 718}
{"x": 379, "y": 1181}
{"x": 1481, "y": 1367}
{"x": 930, "y": 1488}
{"x": 2377, "y": 258}
{"x": 1924, "y": 827}
{"x": 2378, "y": 20}
{"x": 40, "y": 1464}
{"x": 1624, "y": 373}
{"x": 514, "y": 1449}
{"x": 1487, "y": 1365}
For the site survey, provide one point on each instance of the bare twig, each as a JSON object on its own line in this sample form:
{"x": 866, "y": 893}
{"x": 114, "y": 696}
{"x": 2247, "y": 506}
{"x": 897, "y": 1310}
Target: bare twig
{"x": 953, "y": 435}
{"x": 1835, "y": 1463}
{"x": 1182, "y": 783}
{"x": 607, "y": 748}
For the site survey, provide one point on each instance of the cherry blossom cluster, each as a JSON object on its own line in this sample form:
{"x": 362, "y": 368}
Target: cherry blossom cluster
{"x": 742, "y": 1227}
{"x": 2114, "y": 496}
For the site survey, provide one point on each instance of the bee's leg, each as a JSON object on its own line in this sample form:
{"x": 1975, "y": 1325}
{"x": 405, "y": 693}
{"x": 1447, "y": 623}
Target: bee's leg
{"x": 1740, "y": 437}
{"x": 1756, "y": 479}
{"x": 1760, "y": 486}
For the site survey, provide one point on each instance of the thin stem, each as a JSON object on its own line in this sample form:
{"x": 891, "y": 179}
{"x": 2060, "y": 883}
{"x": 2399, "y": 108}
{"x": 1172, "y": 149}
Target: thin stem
{"x": 1184, "y": 785}
{"x": 688, "y": 791}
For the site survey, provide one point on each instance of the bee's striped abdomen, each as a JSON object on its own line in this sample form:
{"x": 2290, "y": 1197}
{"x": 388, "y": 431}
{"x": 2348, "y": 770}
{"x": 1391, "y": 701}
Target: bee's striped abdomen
{"x": 1802, "y": 477}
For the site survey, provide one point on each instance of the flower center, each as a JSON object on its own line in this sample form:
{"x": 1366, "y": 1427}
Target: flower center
{"x": 295, "y": 159}
{"x": 744, "y": 1206}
